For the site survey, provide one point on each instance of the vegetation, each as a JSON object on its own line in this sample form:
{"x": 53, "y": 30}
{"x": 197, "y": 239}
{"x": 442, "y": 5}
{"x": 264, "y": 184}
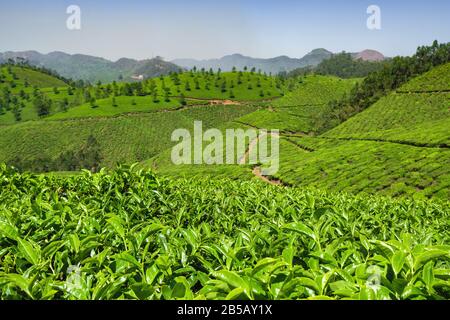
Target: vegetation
{"x": 368, "y": 167}
{"x": 303, "y": 108}
{"x": 32, "y": 95}
{"x": 342, "y": 65}
{"x": 62, "y": 238}
{"x": 122, "y": 139}
{"x": 396, "y": 111}
{"x": 378, "y": 84}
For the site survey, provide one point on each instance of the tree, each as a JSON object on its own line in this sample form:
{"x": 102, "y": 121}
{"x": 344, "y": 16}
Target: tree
{"x": 17, "y": 112}
{"x": 114, "y": 102}
{"x": 224, "y": 87}
{"x": 182, "y": 100}
{"x": 87, "y": 95}
{"x": 233, "y": 70}
{"x": 166, "y": 96}
{"x": 55, "y": 90}
{"x": 63, "y": 105}
{"x": 93, "y": 103}
{"x": 155, "y": 96}
{"x": 42, "y": 105}
{"x": 187, "y": 86}
{"x": 232, "y": 94}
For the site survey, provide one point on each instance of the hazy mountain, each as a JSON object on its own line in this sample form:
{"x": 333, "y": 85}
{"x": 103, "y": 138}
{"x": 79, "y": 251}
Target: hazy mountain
{"x": 91, "y": 68}
{"x": 272, "y": 65}
{"x": 79, "y": 66}
{"x": 369, "y": 55}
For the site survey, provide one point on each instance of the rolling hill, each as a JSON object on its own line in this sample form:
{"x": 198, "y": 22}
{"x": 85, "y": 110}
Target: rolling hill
{"x": 396, "y": 147}
{"x": 93, "y": 69}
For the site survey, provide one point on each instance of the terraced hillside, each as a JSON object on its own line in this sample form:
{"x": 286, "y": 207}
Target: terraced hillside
{"x": 397, "y": 147}
{"x": 406, "y": 110}
{"x": 302, "y": 109}
{"x": 121, "y": 139}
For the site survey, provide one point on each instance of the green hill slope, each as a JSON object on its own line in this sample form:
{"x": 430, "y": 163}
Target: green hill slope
{"x": 438, "y": 79}
{"x": 122, "y": 139}
{"x": 425, "y": 115}
{"x": 397, "y": 147}
{"x": 302, "y": 109}
{"x": 20, "y": 76}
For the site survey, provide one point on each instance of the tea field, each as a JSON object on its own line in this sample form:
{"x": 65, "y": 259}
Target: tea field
{"x": 128, "y": 234}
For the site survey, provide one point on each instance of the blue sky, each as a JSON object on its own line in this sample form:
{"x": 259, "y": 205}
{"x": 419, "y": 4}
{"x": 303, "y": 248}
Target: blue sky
{"x": 209, "y": 28}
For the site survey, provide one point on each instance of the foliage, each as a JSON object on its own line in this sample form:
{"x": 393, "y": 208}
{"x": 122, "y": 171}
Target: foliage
{"x": 397, "y": 72}
{"x": 63, "y": 238}
{"x": 341, "y": 65}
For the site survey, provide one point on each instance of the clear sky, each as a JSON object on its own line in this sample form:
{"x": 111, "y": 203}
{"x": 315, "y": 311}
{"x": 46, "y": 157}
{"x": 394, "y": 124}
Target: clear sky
{"x": 211, "y": 29}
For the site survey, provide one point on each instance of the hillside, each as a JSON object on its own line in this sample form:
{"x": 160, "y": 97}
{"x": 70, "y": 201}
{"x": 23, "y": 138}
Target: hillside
{"x": 26, "y": 103}
{"x": 20, "y": 86}
{"x": 301, "y": 109}
{"x": 369, "y": 55}
{"x": 423, "y": 100}
{"x": 398, "y": 146}
{"x": 343, "y": 65}
{"x": 409, "y": 157}
{"x": 47, "y": 145}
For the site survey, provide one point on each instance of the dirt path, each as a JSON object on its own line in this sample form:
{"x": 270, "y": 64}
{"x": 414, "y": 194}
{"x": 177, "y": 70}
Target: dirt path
{"x": 226, "y": 102}
{"x": 257, "y": 170}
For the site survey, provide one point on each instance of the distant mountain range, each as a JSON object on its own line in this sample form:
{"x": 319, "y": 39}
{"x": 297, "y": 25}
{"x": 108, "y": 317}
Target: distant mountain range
{"x": 272, "y": 65}
{"x": 90, "y": 68}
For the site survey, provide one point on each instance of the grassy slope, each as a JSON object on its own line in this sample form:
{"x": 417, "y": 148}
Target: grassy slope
{"x": 241, "y": 91}
{"x": 122, "y": 139}
{"x": 418, "y": 163}
{"x": 403, "y": 112}
{"x": 438, "y": 79}
{"x": 397, "y": 112}
{"x": 124, "y": 104}
{"x": 44, "y": 82}
{"x": 316, "y": 90}
{"x": 366, "y": 166}
{"x": 299, "y": 110}
{"x": 34, "y": 78}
